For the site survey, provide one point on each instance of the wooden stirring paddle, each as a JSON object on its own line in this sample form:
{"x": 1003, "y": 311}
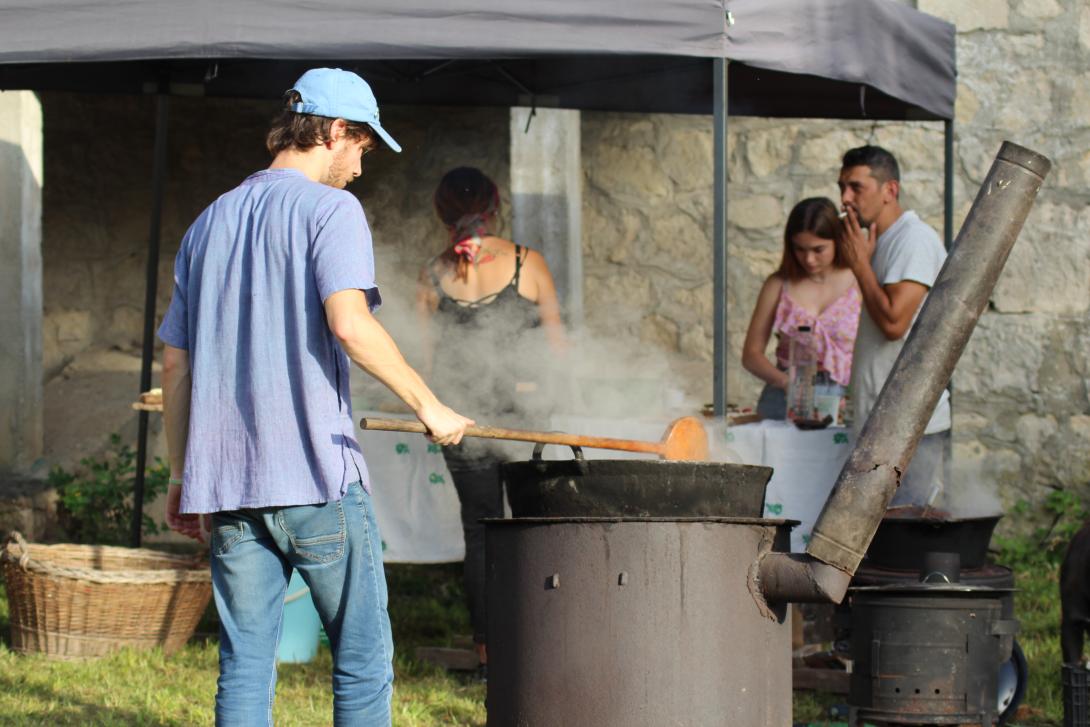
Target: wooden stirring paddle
{"x": 685, "y": 438}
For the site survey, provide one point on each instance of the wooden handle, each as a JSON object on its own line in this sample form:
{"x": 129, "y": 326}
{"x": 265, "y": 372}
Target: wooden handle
{"x": 519, "y": 435}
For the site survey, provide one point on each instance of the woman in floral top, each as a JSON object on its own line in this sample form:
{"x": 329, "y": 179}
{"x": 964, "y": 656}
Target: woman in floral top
{"x": 812, "y": 287}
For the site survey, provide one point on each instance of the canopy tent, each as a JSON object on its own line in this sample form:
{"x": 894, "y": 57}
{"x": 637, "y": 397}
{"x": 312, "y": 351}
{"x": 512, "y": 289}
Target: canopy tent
{"x": 798, "y": 58}
{"x": 850, "y": 59}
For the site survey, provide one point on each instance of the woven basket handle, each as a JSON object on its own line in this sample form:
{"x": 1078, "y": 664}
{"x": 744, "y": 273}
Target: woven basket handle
{"x": 24, "y": 550}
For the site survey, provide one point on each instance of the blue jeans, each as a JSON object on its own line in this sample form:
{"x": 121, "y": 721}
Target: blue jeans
{"x": 336, "y": 548}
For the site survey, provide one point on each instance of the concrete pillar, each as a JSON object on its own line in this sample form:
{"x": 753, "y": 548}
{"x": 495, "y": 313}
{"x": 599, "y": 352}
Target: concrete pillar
{"x": 20, "y": 282}
{"x": 547, "y": 196}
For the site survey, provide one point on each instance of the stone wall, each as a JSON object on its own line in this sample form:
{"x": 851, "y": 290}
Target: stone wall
{"x": 1021, "y": 392}
{"x": 98, "y": 200}
{"x": 648, "y": 218}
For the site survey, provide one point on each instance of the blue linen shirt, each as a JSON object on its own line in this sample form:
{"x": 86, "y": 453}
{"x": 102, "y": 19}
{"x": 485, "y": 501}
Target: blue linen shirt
{"x": 270, "y": 420}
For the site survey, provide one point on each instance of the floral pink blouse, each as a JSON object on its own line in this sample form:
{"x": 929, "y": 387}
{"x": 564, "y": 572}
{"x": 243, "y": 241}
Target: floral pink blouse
{"x": 833, "y": 331}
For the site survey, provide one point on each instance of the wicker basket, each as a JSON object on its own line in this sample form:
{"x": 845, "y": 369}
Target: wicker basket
{"x": 85, "y": 601}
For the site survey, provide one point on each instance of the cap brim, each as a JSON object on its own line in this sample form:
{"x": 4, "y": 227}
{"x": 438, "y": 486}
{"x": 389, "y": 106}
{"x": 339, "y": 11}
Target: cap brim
{"x": 384, "y": 136}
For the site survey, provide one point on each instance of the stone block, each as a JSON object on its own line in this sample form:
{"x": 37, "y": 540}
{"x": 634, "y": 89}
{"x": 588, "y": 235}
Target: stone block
{"x": 757, "y": 212}
{"x": 966, "y": 106}
{"x": 828, "y": 189}
{"x": 1078, "y": 110}
{"x": 967, "y": 424}
{"x": 768, "y": 150}
{"x": 659, "y": 331}
{"x": 1050, "y": 255}
{"x": 609, "y": 230}
{"x": 977, "y": 152}
{"x": 126, "y": 326}
{"x": 1070, "y": 453}
{"x": 823, "y": 153}
{"x": 967, "y": 16}
{"x": 1026, "y": 100}
{"x": 1034, "y": 430}
{"x": 697, "y": 302}
{"x": 631, "y": 172}
{"x": 918, "y": 148}
{"x": 1084, "y": 26}
{"x": 1002, "y": 358}
{"x": 677, "y": 243}
{"x": 1040, "y": 9}
{"x": 686, "y": 158}
{"x": 610, "y": 291}
{"x": 976, "y": 476}
{"x": 696, "y": 343}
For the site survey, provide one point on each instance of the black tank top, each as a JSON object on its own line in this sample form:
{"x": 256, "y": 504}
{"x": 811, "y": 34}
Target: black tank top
{"x": 484, "y": 347}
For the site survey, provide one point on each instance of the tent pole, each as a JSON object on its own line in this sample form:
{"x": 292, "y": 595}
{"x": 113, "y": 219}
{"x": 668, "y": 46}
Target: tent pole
{"x": 162, "y": 110}
{"x": 948, "y": 185}
{"x": 719, "y": 238}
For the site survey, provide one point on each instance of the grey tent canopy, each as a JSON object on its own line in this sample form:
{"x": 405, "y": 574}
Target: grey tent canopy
{"x": 790, "y": 58}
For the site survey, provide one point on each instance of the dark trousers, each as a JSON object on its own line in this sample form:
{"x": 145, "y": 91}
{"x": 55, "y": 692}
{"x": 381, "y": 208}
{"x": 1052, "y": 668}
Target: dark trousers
{"x": 481, "y": 496}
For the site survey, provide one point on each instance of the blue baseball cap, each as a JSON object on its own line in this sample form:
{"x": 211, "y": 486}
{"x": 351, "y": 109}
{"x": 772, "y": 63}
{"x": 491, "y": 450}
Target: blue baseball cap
{"x": 339, "y": 95}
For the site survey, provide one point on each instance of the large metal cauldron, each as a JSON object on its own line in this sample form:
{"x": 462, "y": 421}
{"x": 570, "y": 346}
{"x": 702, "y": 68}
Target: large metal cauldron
{"x": 621, "y": 622}
{"x": 633, "y": 488}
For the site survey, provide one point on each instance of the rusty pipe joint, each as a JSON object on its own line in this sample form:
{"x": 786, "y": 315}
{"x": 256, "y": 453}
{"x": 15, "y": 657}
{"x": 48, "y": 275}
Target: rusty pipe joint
{"x": 800, "y": 578}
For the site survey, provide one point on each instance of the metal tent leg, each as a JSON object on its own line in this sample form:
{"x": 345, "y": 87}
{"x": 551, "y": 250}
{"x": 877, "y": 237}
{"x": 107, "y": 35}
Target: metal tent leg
{"x": 151, "y": 290}
{"x": 719, "y": 239}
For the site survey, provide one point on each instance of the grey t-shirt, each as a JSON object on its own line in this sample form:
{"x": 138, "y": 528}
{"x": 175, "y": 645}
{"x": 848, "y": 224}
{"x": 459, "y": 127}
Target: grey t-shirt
{"x": 908, "y": 250}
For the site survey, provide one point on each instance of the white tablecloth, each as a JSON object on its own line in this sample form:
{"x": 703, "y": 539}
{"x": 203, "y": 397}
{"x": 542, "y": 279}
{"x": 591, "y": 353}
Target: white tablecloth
{"x": 417, "y": 507}
{"x": 806, "y": 465}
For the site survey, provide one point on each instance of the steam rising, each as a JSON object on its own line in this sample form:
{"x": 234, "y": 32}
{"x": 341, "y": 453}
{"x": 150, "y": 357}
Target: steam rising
{"x": 616, "y": 378}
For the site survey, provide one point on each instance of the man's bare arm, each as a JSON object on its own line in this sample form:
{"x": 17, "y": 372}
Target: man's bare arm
{"x": 372, "y": 349}
{"x": 177, "y": 383}
{"x": 892, "y": 307}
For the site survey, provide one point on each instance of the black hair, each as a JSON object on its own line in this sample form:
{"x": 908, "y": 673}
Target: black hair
{"x": 883, "y": 165}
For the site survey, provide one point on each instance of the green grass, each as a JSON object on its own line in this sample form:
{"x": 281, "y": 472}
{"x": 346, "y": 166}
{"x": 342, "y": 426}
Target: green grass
{"x": 426, "y": 608}
{"x": 151, "y": 690}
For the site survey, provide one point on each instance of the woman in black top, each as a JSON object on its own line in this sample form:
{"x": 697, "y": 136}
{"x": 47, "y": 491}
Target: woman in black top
{"x": 491, "y": 317}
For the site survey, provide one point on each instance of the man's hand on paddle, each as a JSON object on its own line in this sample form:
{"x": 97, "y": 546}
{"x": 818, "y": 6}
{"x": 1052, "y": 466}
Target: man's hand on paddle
{"x": 445, "y": 426}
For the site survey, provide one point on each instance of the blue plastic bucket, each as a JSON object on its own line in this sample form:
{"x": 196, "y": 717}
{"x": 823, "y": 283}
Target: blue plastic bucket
{"x": 299, "y": 633}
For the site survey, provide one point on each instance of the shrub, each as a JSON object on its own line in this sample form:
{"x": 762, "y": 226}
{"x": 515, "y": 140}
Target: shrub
{"x": 95, "y": 502}
{"x": 1064, "y": 513}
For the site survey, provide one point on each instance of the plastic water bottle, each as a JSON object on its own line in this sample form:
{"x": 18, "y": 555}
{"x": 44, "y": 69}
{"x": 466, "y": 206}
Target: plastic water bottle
{"x": 801, "y": 370}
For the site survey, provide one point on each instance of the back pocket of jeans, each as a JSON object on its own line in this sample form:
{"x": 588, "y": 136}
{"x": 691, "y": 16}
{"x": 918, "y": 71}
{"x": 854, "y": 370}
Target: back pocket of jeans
{"x": 316, "y": 532}
{"x": 225, "y": 534}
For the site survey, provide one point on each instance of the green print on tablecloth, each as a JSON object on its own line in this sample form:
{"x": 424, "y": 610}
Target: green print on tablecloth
{"x": 775, "y": 508}
{"x": 840, "y": 438}
{"x": 435, "y": 449}
{"x": 401, "y": 448}
{"x": 436, "y": 479}
{"x": 729, "y": 436}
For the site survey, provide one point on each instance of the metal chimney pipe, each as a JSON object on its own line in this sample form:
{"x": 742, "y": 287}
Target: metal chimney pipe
{"x": 889, "y": 437}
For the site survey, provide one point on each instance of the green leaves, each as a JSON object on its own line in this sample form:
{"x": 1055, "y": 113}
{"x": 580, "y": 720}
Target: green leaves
{"x": 1062, "y": 511}
{"x": 95, "y": 501}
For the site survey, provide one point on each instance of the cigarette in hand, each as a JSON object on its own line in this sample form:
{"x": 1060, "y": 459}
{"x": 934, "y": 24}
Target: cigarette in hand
{"x": 842, "y": 214}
